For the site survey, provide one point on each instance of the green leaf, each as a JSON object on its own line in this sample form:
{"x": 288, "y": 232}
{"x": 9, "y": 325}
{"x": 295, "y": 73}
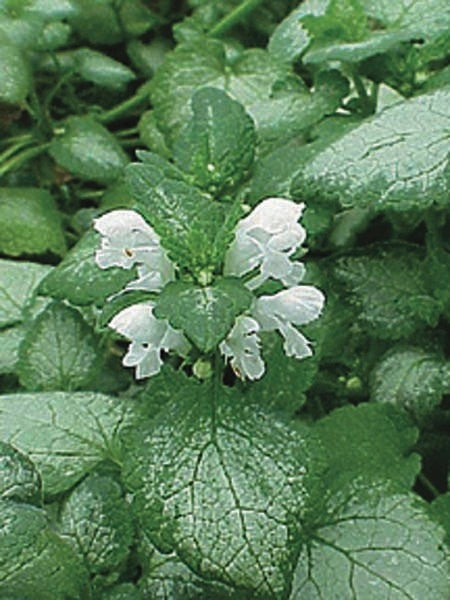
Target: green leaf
{"x": 397, "y": 159}
{"x": 122, "y": 591}
{"x": 35, "y": 564}
{"x": 96, "y": 521}
{"x": 97, "y": 22}
{"x": 388, "y": 286}
{"x": 289, "y": 113}
{"x": 440, "y": 510}
{"x": 373, "y": 545}
{"x": 102, "y": 70}
{"x": 59, "y": 351}
{"x": 411, "y": 378}
{"x": 340, "y": 32}
{"x": 226, "y": 486}
{"x": 15, "y": 76}
{"x": 247, "y": 78}
{"x": 274, "y": 173}
{"x": 151, "y": 135}
{"x": 186, "y": 219}
{"x": 80, "y": 280}
{"x": 18, "y": 284}
{"x": 19, "y": 479}
{"x": 285, "y": 381}
{"x": 88, "y": 150}
{"x": 343, "y": 20}
{"x": 29, "y": 222}
{"x": 65, "y": 434}
{"x": 369, "y": 443}
{"x": 216, "y": 147}
{"x": 10, "y": 340}
{"x": 204, "y": 314}
{"x": 289, "y": 39}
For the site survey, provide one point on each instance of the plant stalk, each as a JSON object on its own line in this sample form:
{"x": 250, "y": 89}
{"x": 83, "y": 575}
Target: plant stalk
{"x": 236, "y": 15}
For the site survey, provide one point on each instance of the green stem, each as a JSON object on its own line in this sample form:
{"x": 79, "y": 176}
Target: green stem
{"x": 13, "y": 149}
{"x": 22, "y": 157}
{"x": 232, "y": 18}
{"x": 428, "y": 485}
{"x": 23, "y": 137}
{"x": 141, "y": 96}
{"x": 127, "y": 132}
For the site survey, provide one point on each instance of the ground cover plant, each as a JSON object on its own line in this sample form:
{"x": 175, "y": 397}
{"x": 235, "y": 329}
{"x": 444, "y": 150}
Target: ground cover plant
{"x": 224, "y": 300}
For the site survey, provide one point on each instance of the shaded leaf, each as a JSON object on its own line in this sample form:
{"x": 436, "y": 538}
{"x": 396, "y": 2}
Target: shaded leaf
{"x": 29, "y": 222}
{"x": 35, "y": 564}
{"x": 369, "y": 443}
{"x": 96, "y": 521}
{"x": 388, "y": 286}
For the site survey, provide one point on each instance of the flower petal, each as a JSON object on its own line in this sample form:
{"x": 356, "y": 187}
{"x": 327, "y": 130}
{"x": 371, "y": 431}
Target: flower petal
{"x": 149, "y": 336}
{"x": 146, "y": 360}
{"x": 295, "y": 343}
{"x": 266, "y": 238}
{"x": 299, "y": 304}
{"x": 274, "y": 215}
{"x": 125, "y": 234}
{"x": 242, "y": 346}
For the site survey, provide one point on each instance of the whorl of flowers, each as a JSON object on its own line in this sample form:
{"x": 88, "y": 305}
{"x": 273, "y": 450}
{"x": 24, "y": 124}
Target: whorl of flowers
{"x": 262, "y": 250}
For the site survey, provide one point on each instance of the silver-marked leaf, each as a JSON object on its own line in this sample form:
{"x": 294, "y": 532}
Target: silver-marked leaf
{"x": 96, "y": 522}
{"x": 373, "y": 545}
{"x": 59, "y": 351}
{"x": 204, "y": 314}
{"x": 226, "y": 486}
{"x": 411, "y": 378}
{"x": 66, "y": 434}
{"x": 166, "y": 577}
{"x": 80, "y": 280}
{"x": 397, "y": 159}
{"x": 18, "y": 284}
{"x": 19, "y": 479}
{"x": 35, "y": 564}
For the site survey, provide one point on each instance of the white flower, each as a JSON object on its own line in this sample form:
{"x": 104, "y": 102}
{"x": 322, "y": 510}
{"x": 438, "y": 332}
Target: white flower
{"x": 297, "y": 305}
{"x": 149, "y": 336}
{"x": 266, "y": 239}
{"x": 242, "y": 346}
{"x": 128, "y": 240}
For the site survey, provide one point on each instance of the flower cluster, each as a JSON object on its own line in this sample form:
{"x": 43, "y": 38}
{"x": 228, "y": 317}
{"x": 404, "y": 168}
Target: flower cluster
{"x": 262, "y": 249}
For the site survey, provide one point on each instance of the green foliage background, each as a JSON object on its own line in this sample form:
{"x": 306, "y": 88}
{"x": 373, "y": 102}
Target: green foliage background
{"x": 328, "y": 478}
